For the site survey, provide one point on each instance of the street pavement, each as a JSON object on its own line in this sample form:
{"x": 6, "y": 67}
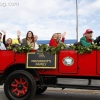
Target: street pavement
{"x": 59, "y": 94}
{"x": 66, "y": 94}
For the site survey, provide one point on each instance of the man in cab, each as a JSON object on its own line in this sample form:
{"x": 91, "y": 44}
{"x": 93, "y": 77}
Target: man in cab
{"x": 87, "y": 40}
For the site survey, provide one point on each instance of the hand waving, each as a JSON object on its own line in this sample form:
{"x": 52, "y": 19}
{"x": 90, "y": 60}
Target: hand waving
{"x": 18, "y": 33}
{"x": 64, "y": 34}
{"x": 4, "y": 32}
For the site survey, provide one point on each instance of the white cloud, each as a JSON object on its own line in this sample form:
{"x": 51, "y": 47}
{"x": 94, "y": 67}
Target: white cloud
{"x": 45, "y": 17}
{"x": 88, "y": 7}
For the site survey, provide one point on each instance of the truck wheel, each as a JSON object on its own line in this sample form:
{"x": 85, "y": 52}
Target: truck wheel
{"x": 40, "y": 90}
{"x": 20, "y": 85}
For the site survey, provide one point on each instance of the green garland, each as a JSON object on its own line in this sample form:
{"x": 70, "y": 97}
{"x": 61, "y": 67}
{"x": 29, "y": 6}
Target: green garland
{"x": 54, "y": 50}
{"x": 51, "y": 49}
{"x": 78, "y": 48}
{"x": 81, "y": 50}
{"x": 20, "y": 49}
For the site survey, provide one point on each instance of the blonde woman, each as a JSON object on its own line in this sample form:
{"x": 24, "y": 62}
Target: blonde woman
{"x": 61, "y": 36}
{"x": 53, "y": 41}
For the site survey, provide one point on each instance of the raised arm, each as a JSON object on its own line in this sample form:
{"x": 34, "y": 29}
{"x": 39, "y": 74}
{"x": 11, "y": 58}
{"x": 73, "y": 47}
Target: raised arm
{"x": 18, "y": 36}
{"x": 63, "y": 37}
{"x": 4, "y": 37}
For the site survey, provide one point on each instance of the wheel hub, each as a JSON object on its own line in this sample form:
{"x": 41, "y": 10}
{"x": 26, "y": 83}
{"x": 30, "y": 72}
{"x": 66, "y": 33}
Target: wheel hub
{"x": 20, "y": 86}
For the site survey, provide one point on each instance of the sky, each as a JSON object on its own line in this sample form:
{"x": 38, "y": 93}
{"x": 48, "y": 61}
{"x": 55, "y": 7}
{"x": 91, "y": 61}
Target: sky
{"x": 45, "y": 17}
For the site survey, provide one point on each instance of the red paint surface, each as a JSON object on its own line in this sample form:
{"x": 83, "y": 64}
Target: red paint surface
{"x": 98, "y": 63}
{"x": 84, "y": 65}
{"x": 87, "y": 64}
{"x": 64, "y": 68}
{"x": 6, "y": 58}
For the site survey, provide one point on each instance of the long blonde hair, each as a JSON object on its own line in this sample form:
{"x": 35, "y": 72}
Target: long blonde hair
{"x": 53, "y": 35}
{"x": 58, "y": 37}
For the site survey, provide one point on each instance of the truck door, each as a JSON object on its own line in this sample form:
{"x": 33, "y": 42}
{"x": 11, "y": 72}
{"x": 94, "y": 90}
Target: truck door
{"x": 68, "y": 61}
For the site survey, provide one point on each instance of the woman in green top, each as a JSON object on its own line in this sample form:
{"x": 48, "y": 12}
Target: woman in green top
{"x": 87, "y": 39}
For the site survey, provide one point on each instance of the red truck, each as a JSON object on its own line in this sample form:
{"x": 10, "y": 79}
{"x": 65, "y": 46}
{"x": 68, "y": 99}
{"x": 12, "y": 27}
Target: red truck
{"x": 27, "y": 74}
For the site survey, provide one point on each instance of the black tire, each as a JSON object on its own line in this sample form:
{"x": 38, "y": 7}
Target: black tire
{"x": 24, "y": 84}
{"x": 41, "y": 90}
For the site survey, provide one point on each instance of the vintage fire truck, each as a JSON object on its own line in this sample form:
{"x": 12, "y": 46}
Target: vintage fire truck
{"x": 27, "y": 74}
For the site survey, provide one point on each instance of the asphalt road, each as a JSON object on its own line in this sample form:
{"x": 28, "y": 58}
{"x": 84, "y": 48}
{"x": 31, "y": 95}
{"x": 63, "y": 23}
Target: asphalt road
{"x": 63, "y": 95}
{"x": 67, "y": 94}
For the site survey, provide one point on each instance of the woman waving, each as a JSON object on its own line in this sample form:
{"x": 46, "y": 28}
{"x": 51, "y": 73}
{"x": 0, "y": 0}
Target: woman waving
{"x": 29, "y": 40}
{"x": 53, "y": 41}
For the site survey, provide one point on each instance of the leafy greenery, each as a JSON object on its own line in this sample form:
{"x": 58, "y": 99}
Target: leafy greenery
{"x": 20, "y": 49}
{"x": 54, "y": 50}
{"x": 51, "y": 49}
{"x": 81, "y": 50}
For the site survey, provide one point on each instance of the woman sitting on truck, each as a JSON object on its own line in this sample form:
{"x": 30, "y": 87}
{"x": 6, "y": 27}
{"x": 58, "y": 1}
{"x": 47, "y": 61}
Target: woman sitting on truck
{"x": 53, "y": 41}
{"x": 2, "y": 46}
{"x": 29, "y": 40}
{"x": 9, "y": 40}
{"x": 61, "y": 36}
{"x": 35, "y": 40}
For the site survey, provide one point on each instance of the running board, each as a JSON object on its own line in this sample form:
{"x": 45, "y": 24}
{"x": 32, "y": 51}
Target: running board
{"x": 81, "y": 82}
{"x": 74, "y": 86}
